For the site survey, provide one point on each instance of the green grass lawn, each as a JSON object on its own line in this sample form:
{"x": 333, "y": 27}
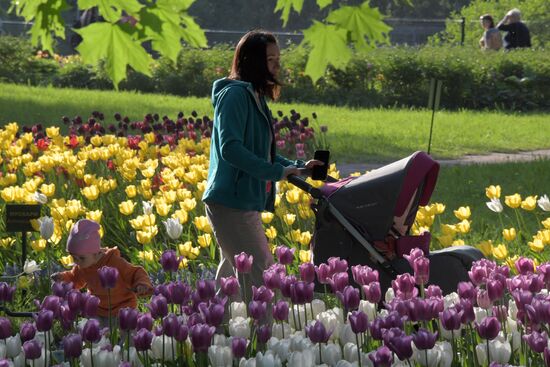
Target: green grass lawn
{"x": 355, "y": 135}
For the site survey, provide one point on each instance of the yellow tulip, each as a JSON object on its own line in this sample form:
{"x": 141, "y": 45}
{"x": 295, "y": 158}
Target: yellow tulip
{"x": 90, "y": 192}
{"x": 511, "y": 262}
{"x": 144, "y": 237}
{"x": 38, "y": 245}
{"x": 181, "y": 215}
{"x": 500, "y": 252}
{"x": 271, "y": 232}
{"x": 52, "y": 132}
{"x": 305, "y": 256}
{"x": 296, "y": 235}
{"x": 48, "y": 190}
{"x": 126, "y": 207}
{"x": 96, "y": 140}
{"x": 67, "y": 261}
{"x": 448, "y": 229}
{"x": 204, "y": 240}
{"x": 530, "y": 203}
{"x": 445, "y": 240}
{"x": 439, "y": 208}
{"x": 537, "y": 245}
{"x": 493, "y": 192}
{"x": 458, "y": 242}
{"x": 509, "y": 234}
{"x": 546, "y": 223}
{"x": 162, "y": 208}
{"x": 305, "y": 238}
{"x": 188, "y": 204}
{"x": 7, "y": 242}
{"x": 267, "y": 217}
{"x": 486, "y": 247}
{"x": 464, "y": 226}
{"x": 147, "y": 256}
{"x": 149, "y": 137}
{"x": 170, "y": 196}
{"x": 289, "y": 218}
{"x": 183, "y": 194}
{"x": 186, "y": 249}
{"x": 544, "y": 235}
{"x": 202, "y": 224}
{"x": 94, "y": 215}
{"x": 463, "y": 212}
{"x": 513, "y": 201}
{"x": 293, "y": 196}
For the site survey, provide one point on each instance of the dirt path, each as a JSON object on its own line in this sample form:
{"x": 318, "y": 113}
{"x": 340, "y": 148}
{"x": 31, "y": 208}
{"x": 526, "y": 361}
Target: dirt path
{"x": 347, "y": 168}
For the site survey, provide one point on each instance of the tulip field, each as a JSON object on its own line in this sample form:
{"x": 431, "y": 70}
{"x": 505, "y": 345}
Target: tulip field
{"x": 143, "y": 182}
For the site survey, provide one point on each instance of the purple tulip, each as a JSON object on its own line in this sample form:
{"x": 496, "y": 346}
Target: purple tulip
{"x": 399, "y": 343}
{"x": 6, "y": 292}
{"x": 262, "y": 294}
{"x": 201, "y": 337}
{"x": 349, "y": 297}
{"x": 5, "y": 328}
{"x": 450, "y": 319}
{"x": 170, "y": 325}
{"x": 466, "y": 290}
{"x": 127, "y": 318}
{"x": 263, "y": 333}
{"x": 170, "y": 261}
{"x": 75, "y": 300}
{"x": 91, "y": 331}
{"x": 257, "y": 309}
{"x": 423, "y": 339}
{"x": 546, "y": 355}
{"x": 44, "y": 320}
{"x": 338, "y": 282}
{"x": 158, "y": 306}
{"x": 212, "y": 314}
{"x": 483, "y": 299}
{"x": 142, "y": 340}
{"x": 229, "y": 286}
{"x": 317, "y": 332}
{"x": 5, "y": 363}
{"x": 363, "y": 274}
{"x": 404, "y": 286}
{"x": 495, "y": 290}
{"x": 307, "y": 272}
{"x": 525, "y": 266}
{"x": 182, "y": 333}
{"x": 466, "y": 308}
{"x": 421, "y": 267}
{"x": 286, "y": 284}
{"x": 243, "y": 263}
{"x": 32, "y": 349}
{"x": 414, "y": 254}
{"x": 433, "y": 291}
{"x": 60, "y": 289}
{"x": 478, "y": 274}
{"x": 382, "y": 357}
{"x": 52, "y": 303}
{"x": 180, "y": 292}
{"x": 358, "y": 321}
{"x": 206, "y": 289}
{"x": 238, "y": 347}
{"x": 145, "y": 321}
{"x": 536, "y": 341}
{"x": 72, "y": 346}
{"x": 301, "y": 292}
{"x": 372, "y": 292}
{"x": 323, "y": 273}
{"x": 280, "y": 311}
{"x": 285, "y": 255}
{"x": 195, "y": 318}
{"x": 108, "y": 276}
{"x": 337, "y": 265}
{"x": 272, "y": 279}
{"x": 544, "y": 271}
{"x": 91, "y": 305}
{"x": 27, "y": 331}
{"x": 488, "y": 328}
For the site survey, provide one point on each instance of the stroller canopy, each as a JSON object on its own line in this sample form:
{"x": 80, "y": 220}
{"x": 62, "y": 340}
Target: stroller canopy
{"x": 373, "y": 201}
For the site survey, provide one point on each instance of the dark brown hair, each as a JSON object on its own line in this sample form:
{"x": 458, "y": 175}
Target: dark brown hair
{"x": 489, "y": 18}
{"x": 250, "y": 63}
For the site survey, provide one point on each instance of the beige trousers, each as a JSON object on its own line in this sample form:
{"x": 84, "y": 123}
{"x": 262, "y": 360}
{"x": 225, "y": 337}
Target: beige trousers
{"x": 239, "y": 231}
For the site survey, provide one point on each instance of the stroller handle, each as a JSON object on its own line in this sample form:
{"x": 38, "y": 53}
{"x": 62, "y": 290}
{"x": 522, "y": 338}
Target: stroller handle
{"x": 302, "y": 184}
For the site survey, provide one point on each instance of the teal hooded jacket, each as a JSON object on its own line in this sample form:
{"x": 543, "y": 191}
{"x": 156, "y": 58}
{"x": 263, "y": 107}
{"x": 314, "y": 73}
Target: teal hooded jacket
{"x": 242, "y": 149}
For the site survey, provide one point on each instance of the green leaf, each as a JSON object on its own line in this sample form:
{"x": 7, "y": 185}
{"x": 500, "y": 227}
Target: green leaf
{"x": 46, "y": 18}
{"x": 111, "y": 10}
{"x": 328, "y": 46}
{"x": 286, "y": 6}
{"x": 364, "y": 24}
{"x": 114, "y": 44}
{"x": 323, "y": 3}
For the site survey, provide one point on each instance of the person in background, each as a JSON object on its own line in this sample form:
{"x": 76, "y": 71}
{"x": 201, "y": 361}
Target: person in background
{"x": 491, "y": 39}
{"x": 517, "y": 35}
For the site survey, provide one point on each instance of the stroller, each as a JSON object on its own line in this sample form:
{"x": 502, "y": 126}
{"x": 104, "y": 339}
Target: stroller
{"x": 366, "y": 220}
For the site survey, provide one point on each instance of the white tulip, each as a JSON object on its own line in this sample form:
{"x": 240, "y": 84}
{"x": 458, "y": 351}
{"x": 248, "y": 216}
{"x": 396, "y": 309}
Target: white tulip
{"x": 318, "y": 307}
{"x": 13, "y": 346}
{"x": 281, "y": 348}
{"x": 147, "y": 207}
{"x": 247, "y": 362}
{"x": 429, "y": 359}
{"x": 512, "y": 309}
{"x": 390, "y": 294}
{"x": 238, "y": 309}
{"x": 30, "y": 267}
{"x": 221, "y": 341}
{"x": 173, "y": 228}
{"x": 451, "y": 299}
{"x": 480, "y": 314}
{"x": 3, "y": 350}
{"x": 19, "y": 361}
{"x": 513, "y": 333}
{"x": 134, "y": 358}
{"x": 267, "y": 360}
{"x": 220, "y": 356}
{"x": 448, "y": 334}
{"x": 332, "y": 353}
{"x": 102, "y": 357}
{"x": 445, "y": 355}
{"x": 277, "y": 330}
{"x": 368, "y": 308}
{"x": 495, "y": 205}
{"x": 347, "y": 335}
{"x": 40, "y": 198}
{"x": 46, "y": 227}
{"x": 40, "y": 360}
{"x": 332, "y": 321}
{"x": 239, "y": 326}
{"x": 544, "y": 203}
{"x": 297, "y": 317}
{"x": 304, "y": 358}
{"x": 500, "y": 351}
{"x": 156, "y": 347}
{"x": 343, "y": 363}
{"x": 350, "y": 352}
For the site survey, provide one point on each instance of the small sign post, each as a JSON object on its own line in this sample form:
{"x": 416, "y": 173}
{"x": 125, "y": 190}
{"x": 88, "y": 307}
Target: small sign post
{"x": 433, "y": 104}
{"x": 18, "y": 219}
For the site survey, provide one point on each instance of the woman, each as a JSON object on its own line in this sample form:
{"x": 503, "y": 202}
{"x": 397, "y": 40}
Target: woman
{"x": 491, "y": 39}
{"x": 243, "y": 163}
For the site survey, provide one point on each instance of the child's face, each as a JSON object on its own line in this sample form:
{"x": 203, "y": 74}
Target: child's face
{"x": 85, "y": 261}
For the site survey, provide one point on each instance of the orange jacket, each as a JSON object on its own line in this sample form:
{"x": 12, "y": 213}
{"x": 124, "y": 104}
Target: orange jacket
{"x": 130, "y": 276}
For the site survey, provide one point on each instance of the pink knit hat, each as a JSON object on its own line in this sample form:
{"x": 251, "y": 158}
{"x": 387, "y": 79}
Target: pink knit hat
{"x": 84, "y": 238}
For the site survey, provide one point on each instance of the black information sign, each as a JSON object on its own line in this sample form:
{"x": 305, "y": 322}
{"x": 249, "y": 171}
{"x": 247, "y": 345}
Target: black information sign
{"x": 18, "y": 217}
